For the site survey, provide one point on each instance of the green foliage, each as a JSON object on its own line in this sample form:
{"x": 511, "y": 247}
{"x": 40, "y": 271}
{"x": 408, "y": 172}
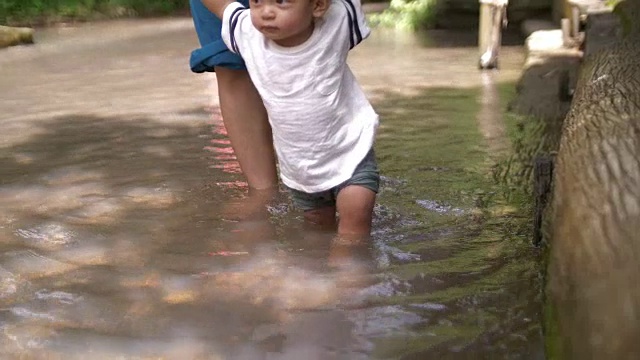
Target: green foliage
{"x": 37, "y": 11}
{"x": 145, "y": 7}
{"x": 407, "y": 14}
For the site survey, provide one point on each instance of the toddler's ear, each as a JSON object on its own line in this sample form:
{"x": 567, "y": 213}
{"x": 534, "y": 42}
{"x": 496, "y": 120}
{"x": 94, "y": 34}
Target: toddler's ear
{"x": 320, "y": 7}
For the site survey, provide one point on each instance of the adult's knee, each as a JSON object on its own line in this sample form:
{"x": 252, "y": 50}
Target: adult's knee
{"x": 236, "y": 85}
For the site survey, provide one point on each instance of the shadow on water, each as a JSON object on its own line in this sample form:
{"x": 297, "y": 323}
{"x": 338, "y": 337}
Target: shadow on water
{"x": 114, "y": 243}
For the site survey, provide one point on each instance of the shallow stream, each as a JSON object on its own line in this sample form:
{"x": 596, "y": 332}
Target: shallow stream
{"x": 117, "y": 181}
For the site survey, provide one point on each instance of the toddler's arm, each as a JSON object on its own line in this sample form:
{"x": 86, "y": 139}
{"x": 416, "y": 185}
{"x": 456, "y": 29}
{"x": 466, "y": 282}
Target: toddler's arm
{"x": 357, "y": 23}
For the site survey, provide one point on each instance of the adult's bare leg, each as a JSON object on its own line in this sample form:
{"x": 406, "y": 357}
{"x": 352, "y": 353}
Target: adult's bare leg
{"x": 249, "y": 131}
{"x": 248, "y": 128}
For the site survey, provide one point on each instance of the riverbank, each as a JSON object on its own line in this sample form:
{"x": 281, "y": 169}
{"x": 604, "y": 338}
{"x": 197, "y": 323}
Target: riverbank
{"x": 23, "y": 14}
{"x": 21, "y": 26}
{"x": 20, "y": 19}
{"x": 38, "y": 13}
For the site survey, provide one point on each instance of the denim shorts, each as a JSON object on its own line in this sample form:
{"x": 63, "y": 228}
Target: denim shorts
{"x": 366, "y": 175}
{"x": 213, "y": 51}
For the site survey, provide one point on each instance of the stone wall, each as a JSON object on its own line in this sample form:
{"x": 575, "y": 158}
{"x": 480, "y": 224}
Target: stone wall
{"x": 595, "y": 212}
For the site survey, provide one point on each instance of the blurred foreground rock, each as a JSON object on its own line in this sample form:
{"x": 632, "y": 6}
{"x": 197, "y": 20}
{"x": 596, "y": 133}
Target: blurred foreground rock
{"x": 10, "y": 36}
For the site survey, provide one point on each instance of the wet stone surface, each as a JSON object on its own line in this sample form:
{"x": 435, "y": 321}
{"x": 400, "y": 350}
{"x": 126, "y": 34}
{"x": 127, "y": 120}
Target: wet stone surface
{"x": 117, "y": 179}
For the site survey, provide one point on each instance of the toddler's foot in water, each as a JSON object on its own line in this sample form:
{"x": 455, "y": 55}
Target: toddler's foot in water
{"x": 351, "y": 258}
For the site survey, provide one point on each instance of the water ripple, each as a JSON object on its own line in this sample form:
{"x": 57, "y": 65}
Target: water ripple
{"x": 59, "y": 296}
{"x": 47, "y": 235}
{"x": 439, "y": 207}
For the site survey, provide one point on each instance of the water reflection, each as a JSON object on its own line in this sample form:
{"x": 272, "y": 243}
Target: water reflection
{"x": 127, "y": 232}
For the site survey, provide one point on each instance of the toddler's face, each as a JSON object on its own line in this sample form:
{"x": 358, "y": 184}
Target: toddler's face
{"x": 286, "y": 22}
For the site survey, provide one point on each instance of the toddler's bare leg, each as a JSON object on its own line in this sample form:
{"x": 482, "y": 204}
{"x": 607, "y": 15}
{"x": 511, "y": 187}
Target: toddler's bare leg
{"x": 355, "y": 206}
{"x": 248, "y": 127}
{"x": 350, "y": 252}
{"x": 351, "y": 257}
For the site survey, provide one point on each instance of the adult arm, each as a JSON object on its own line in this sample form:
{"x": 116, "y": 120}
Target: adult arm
{"x": 217, "y": 6}
{"x": 228, "y": 11}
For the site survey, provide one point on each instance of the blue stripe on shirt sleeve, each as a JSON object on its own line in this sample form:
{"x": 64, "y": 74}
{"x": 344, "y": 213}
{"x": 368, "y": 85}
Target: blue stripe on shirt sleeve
{"x": 354, "y": 26}
{"x": 350, "y": 23}
{"x": 233, "y": 22}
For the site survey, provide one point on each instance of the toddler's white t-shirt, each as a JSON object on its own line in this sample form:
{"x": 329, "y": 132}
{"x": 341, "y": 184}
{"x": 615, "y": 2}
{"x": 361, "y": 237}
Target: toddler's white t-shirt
{"x": 323, "y": 125}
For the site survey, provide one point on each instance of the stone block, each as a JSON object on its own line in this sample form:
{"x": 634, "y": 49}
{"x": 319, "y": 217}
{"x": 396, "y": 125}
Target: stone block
{"x": 601, "y": 30}
{"x": 549, "y": 75}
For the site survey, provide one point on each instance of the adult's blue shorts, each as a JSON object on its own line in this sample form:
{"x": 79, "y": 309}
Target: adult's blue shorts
{"x": 213, "y": 51}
